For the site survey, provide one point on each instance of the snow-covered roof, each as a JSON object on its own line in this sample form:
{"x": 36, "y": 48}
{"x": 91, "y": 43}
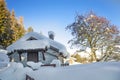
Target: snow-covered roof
{"x": 26, "y": 45}
{"x": 41, "y": 42}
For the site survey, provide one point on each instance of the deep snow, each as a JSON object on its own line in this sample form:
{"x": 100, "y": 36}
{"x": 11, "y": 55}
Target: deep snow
{"x": 93, "y": 71}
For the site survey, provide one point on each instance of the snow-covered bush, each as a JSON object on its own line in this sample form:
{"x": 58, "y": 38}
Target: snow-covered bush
{"x": 4, "y": 60}
{"x": 15, "y": 71}
{"x": 57, "y": 62}
{"x": 19, "y": 65}
{"x": 20, "y": 72}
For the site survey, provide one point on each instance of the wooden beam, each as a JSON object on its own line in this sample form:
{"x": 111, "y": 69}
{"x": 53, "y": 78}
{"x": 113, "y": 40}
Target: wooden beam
{"x": 54, "y": 65}
{"x": 20, "y": 56}
{"x": 43, "y": 55}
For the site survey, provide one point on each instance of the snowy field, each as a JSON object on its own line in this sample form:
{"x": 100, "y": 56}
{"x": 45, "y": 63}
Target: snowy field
{"x": 93, "y": 71}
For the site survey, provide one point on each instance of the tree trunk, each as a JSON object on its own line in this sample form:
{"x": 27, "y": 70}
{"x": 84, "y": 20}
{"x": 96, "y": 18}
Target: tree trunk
{"x": 94, "y": 58}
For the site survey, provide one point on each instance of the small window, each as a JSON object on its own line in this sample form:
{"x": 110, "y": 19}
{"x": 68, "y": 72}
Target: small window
{"x": 31, "y": 38}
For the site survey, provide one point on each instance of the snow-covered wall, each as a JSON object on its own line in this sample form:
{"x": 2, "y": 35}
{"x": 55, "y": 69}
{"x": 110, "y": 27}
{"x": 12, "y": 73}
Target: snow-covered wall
{"x": 48, "y": 58}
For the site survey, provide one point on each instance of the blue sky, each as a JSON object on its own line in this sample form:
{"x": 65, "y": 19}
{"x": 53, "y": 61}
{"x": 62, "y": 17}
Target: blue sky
{"x": 55, "y": 15}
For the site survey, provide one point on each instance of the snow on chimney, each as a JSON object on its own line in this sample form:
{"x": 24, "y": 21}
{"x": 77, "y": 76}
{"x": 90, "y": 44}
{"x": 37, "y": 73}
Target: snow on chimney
{"x": 51, "y": 35}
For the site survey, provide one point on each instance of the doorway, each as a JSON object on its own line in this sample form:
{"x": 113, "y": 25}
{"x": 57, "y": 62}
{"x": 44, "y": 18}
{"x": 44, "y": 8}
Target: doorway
{"x": 32, "y": 56}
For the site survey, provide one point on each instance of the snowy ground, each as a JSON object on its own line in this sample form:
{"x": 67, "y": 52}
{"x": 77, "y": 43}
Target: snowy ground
{"x": 93, "y": 71}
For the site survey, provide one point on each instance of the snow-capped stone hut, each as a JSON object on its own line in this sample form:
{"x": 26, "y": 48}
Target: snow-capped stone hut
{"x": 36, "y": 47}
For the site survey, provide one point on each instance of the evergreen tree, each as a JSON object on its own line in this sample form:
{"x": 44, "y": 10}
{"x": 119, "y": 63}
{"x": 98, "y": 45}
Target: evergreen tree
{"x": 14, "y": 26}
{"x": 21, "y": 28}
{"x": 11, "y": 28}
{"x": 17, "y": 27}
{"x": 5, "y": 25}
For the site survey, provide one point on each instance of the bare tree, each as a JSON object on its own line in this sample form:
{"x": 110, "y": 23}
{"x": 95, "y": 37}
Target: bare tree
{"x": 95, "y": 32}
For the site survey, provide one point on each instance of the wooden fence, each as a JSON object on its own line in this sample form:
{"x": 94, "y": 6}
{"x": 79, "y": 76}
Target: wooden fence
{"x": 54, "y": 65}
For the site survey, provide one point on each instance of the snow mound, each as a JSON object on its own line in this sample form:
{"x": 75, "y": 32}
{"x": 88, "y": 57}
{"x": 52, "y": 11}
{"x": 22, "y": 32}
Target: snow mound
{"x": 34, "y": 65}
{"x": 57, "y": 62}
{"x": 4, "y": 60}
{"x": 3, "y": 51}
{"x": 15, "y": 71}
{"x": 94, "y": 71}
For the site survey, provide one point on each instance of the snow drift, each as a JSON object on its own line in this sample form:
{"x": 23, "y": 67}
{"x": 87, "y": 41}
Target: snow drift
{"x": 4, "y": 60}
{"x": 93, "y": 71}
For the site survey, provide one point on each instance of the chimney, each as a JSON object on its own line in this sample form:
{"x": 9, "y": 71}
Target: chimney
{"x": 51, "y": 35}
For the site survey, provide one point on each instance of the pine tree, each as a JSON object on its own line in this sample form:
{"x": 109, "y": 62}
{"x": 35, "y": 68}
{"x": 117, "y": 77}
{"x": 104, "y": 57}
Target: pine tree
{"x": 14, "y": 26}
{"x": 21, "y": 30}
{"x": 11, "y": 28}
{"x": 17, "y": 27}
{"x": 5, "y": 25}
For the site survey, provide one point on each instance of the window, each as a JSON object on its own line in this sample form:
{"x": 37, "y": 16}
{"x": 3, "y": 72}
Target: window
{"x": 31, "y": 38}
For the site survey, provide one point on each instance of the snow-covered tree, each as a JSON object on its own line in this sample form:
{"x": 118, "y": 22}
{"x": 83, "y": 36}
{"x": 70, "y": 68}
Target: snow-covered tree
{"x": 95, "y": 32}
{"x": 5, "y": 25}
